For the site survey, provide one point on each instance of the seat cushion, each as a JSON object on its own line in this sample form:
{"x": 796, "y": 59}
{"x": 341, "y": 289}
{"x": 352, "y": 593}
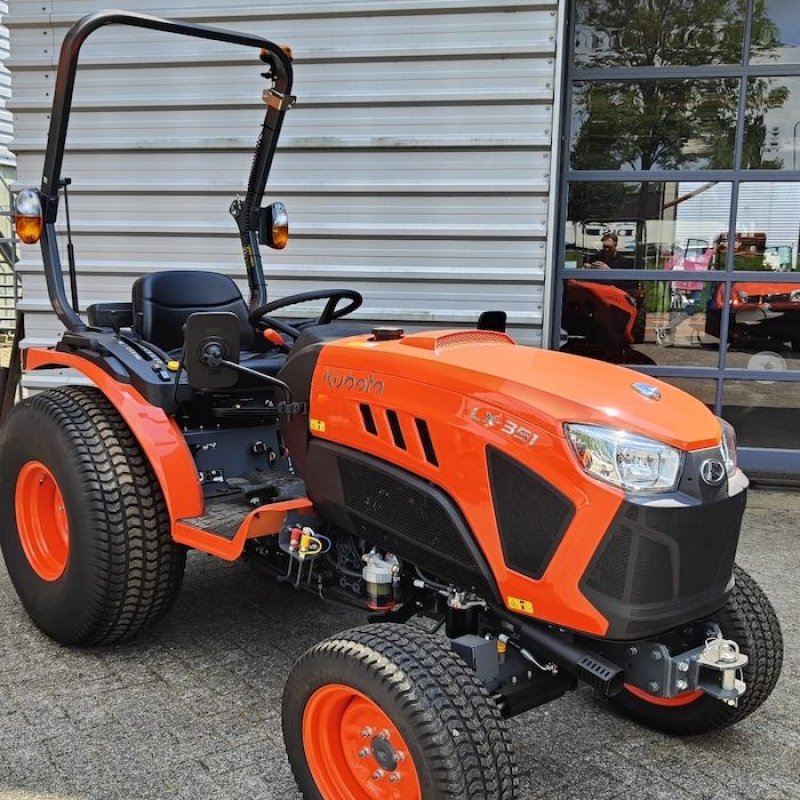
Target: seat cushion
{"x": 163, "y": 301}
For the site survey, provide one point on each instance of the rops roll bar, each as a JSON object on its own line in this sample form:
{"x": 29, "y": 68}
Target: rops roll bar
{"x": 246, "y": 213}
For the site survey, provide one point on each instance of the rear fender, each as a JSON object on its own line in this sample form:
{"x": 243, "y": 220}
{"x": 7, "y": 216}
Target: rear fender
{"x": 158, "y": 435}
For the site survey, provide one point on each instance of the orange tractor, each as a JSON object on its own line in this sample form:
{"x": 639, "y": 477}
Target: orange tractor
{"x": 560, "y": 520}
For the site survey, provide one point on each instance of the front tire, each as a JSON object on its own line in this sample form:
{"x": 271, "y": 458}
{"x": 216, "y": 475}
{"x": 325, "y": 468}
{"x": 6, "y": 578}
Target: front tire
{"x": 750, "y": 620}
{"x": 83, "y": 523}
{"x": 388, "y": 711}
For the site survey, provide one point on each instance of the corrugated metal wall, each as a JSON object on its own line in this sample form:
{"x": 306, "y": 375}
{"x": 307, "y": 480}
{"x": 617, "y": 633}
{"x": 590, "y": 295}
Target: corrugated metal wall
{"x": 416, "y": 165}
{"x": 6, "y": 158}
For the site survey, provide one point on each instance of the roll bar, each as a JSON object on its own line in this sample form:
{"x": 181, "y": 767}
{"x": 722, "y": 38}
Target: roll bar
{"x": 246, "y": 213}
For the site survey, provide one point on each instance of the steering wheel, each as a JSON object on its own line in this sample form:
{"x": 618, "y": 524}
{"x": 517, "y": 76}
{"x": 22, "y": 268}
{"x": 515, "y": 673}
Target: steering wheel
{"x": 260, "y": 319}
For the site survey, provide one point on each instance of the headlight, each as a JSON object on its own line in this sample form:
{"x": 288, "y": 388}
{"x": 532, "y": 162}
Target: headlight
{"x": 794, "y": 297}
{"x": 624, "y": 459}
{"x": 728, "y": 447}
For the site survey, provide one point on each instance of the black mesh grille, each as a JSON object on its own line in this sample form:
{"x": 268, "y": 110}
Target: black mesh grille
{"x": 657, "y": 564}
{"x": 532, "y": 515}
{"x": 393, "y": 514}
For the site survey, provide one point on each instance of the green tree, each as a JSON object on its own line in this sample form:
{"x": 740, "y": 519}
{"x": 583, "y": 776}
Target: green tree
{"x": 669, "y": 124}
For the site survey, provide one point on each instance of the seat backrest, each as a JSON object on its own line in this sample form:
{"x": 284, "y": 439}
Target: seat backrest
{"x": 163, "y": 301}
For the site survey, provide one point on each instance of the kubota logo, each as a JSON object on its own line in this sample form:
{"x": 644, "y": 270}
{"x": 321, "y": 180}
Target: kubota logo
{"x": 347, "y": 382}
{"x": 493, "y": 419}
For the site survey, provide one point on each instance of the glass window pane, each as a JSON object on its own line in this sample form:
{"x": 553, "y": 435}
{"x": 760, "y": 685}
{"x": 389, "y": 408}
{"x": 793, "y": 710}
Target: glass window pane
{"x": 771, "y": 124}
{"x": 704, "y": 390}
{"x": 620, "y": 33}
{"x": 669, "y": 323}
{"x": 644, "y": 125}
{"x": 768, "y": 226}
{"x": 776, "y": 33}
{"x": 764, "y": 414}
{"x": 676, "y": 225}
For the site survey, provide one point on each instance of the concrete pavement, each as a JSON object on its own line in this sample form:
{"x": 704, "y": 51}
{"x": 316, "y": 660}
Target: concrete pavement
{"x": 192, "y": 708}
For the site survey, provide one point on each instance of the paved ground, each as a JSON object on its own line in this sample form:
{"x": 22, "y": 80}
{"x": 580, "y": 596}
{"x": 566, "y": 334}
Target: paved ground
{"x": 191, "y": 710}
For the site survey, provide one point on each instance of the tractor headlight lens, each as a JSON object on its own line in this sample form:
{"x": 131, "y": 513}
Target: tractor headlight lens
{"x": 634, "y": 463}
{"x": 728, "y": 447}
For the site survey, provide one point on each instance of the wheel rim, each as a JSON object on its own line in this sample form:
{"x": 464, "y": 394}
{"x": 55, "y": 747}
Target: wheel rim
{"x": 667, "y": 702}
{"x": 354, "y": 750}
{"x": 42, "y": 520}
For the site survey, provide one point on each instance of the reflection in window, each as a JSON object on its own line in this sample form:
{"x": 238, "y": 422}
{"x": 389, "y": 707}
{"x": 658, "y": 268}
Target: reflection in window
{"x": 776, "y": 33}
{"x": 768, "y": 223}
{"x": 763, "y": 413}
{"x": 669, "y": 323}
{"x": 621, "y": 33}
{"x": 703, "y": 389}
{"x": 676, "y": 225}
{"x": 652, "y": 124}
{"x": 772, "y": 121}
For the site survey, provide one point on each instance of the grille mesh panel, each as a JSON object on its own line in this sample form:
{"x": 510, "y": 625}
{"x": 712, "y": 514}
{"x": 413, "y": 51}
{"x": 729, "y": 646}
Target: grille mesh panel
{"x": 532, "y": 515}
{"x": 661, "y": 555}
{"x": 398, "y": 516}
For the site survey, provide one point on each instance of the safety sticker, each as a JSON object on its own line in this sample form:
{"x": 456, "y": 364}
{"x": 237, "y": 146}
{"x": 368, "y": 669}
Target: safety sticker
{"x": 317, "y": 425}
{"x": 518, "y": 604}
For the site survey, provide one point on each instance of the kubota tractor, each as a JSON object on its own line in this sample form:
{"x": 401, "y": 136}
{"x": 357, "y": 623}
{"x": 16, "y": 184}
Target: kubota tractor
{"x": 563, "y": 520}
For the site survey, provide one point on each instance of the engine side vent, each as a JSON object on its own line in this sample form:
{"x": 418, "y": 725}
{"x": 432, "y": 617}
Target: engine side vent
{"x": 368, "y": 419}
{"x": 394, "y": 427}
{"x": 426, "y": 442}
{"x": 414, "y": 520}
{"x": 532, "y": 515}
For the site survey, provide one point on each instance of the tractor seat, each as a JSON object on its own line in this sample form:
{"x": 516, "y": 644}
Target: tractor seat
{"x": 163, "y": 301}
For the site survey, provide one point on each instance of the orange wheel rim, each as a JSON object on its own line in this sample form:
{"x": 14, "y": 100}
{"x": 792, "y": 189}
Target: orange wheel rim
{"x": 354, "y": 750}
{"x": 666, "y": 702}
{"x": 42, "y": 520}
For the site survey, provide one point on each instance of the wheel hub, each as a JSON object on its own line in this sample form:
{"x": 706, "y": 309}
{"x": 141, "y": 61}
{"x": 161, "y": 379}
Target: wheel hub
{"x": 384, "y": 754}
{"x": 42, "y": 522}
{"x": 354, "y": 750}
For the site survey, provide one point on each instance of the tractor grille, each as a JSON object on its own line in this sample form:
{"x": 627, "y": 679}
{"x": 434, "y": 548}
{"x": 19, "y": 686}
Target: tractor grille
{"x": 532, "y": 516}
{"x": 394, "y": 514}
{"x": 656, "y": 565}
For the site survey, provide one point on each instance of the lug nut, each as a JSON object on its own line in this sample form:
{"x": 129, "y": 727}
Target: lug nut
{"x": 363, "y": 752}
{"x": 401, "y": 756}
{"x": 682, "y": 685}
{"x": 394, "y": 777}
{"x": 633, "y": 650}
{"x": 655, "y": 655}
{"x": 683, "y": 666}
{"x": 385, "y": 734}
{"x": 366, "y": 733}
{"x": 378, "y": 774}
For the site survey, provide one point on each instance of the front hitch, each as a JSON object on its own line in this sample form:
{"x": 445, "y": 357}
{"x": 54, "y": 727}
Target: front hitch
{"x": 713, "y": 667}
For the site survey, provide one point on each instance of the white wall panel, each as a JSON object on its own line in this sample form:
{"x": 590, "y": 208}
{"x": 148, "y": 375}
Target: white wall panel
{"x": 416, "y": 165}
{"x": 6, "y": 126}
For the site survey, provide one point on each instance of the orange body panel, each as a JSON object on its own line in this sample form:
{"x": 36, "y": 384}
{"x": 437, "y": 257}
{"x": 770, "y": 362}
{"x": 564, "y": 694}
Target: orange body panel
{"x": 157, "y": 434}
{"x": 455, "y": 388}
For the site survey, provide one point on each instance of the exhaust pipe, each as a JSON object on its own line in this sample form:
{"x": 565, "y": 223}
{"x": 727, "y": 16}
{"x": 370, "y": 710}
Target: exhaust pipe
{"x": 573, "y": 658}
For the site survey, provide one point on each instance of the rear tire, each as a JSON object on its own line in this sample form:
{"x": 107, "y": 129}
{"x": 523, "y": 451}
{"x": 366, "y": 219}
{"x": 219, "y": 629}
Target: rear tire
{"x": 84, "y": 527}
{"x": 750, "y": 620}
{"x": 343, "y": 697}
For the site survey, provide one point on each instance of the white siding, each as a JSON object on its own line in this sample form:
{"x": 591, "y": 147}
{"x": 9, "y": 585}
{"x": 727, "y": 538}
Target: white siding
{"x": 6, "y": 157}
{"x": 416, "y": 165}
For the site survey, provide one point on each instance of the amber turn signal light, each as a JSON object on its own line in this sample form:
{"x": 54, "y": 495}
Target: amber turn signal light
{"x": 273, "y": 226}
{"x": 28, "y": 216}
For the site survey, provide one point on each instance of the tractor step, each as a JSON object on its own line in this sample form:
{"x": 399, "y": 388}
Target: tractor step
{"x": 226, "y": 511}
{"x": 223, "y": 516}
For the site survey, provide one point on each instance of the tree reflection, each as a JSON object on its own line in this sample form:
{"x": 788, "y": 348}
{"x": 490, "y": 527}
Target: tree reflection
{"x": 676, "y": 124}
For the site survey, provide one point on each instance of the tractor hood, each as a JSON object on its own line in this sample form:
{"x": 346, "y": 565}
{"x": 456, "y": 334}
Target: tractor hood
{"x": 543, "y": 387}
